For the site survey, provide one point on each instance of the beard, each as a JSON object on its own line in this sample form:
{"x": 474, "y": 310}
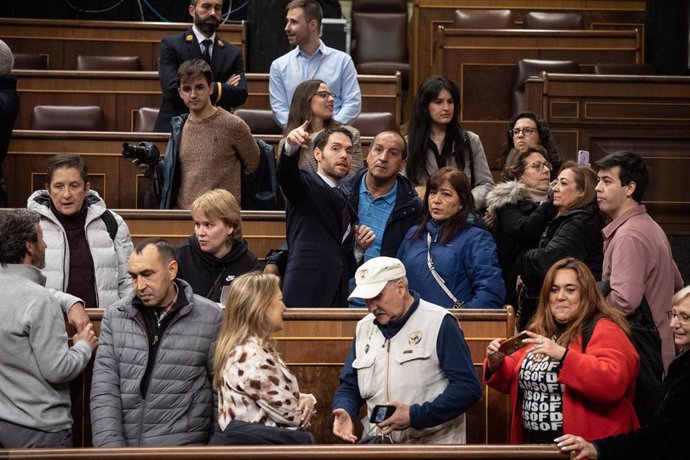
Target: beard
{"x": 208, "y": 27}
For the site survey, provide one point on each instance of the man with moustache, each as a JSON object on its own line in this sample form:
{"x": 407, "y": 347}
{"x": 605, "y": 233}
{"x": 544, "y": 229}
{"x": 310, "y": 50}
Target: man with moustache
{"x": 152, "y": 376}
{"x": 321, "y": 225}
{"x": 312, "y": 60}
{"x": 409, "y": 354}
{"x": 37, "y": 364}
{"x": 229, "y": 90}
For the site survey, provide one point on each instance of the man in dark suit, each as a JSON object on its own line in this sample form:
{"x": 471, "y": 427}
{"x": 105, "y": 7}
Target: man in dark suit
{"x": 321, "y": 230}
{"x": 201, "y": 42}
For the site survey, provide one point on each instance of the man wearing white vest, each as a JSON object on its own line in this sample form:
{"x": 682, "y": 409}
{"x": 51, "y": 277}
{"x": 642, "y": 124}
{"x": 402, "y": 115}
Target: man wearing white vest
{"x": 409, "y": 354}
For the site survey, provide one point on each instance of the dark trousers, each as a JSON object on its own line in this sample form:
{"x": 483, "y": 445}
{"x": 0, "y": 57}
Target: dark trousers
{"x": 18, "y": 436}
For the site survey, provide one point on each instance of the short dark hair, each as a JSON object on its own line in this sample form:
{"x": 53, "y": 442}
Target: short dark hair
{"x": 67, "y": 161}
{"x": 545, "y": 139}
{"x": 193, "y": 68}
{"x": 165, "y": 249}
{"x": 16, "y": 228}
{"x": 323, "y": 137}
{"x": 632, "y": 169}
{"x": 396, "y": 133}
{"x": 312, "y": 9}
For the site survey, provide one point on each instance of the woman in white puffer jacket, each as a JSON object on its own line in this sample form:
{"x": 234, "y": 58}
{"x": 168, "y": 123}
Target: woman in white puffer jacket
{"x": 94, "y": 266}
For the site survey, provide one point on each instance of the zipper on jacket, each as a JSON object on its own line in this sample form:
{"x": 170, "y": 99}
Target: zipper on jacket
{"x": 388, "y": 368}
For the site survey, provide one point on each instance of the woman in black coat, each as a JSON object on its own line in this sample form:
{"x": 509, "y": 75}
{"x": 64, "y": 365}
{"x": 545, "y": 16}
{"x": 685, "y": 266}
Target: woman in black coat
{"x": 520, "y": 211}
{"x": 574, "y": 232}
{"x": 665, "y": 437}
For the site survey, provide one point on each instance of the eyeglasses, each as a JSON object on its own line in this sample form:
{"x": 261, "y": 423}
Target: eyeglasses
{"x": 539, "y": 165}
{"x": 324, "y": 94}
{"x": 524, "y": 131}
{"x": 681, "y": 317}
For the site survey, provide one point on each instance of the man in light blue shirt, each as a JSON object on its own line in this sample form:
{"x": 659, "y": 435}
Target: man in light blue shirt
{"x": 310, "y": 60}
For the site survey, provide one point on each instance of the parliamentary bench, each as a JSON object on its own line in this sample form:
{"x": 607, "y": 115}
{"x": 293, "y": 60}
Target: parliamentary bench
{"x": 649, "y": 115}
{"x": 120, "y": 94}
{"x": 483, "y": 63}
{"x": 61, "y": 41}
{"x": 315, "y": 342}
{"x": 428, "y": 15}
{"x": 121, "y": 184}
{"x": 320, "y": 452}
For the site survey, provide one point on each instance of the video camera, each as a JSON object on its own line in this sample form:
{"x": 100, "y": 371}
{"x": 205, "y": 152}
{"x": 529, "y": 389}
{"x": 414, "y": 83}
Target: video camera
{"x": 145, "y": 152}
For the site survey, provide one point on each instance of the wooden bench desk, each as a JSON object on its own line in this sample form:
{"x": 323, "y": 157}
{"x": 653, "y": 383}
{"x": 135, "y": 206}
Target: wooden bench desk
{"x": 315, "y": 343}
{"x": 62, "y": 40}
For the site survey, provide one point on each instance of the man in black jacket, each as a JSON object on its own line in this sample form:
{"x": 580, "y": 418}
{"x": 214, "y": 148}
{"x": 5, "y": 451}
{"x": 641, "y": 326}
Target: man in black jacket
{"x": 201, "y": 42}
{"x": 9, "y": 108}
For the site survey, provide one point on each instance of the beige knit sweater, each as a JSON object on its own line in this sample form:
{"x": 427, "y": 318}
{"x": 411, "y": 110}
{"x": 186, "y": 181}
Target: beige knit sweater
{"x": 213, "y": 153}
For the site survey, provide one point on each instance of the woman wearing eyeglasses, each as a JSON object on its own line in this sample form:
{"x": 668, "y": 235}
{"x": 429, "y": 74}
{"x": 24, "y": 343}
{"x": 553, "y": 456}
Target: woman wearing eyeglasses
{"x": 666, "y": 436}
{"x": 526, "y": 129}
{"x": 436, "y": 139}
{"x": 574, "y": 232}
{"x": 520, "y": 212}
{"x": 313, "y": 101}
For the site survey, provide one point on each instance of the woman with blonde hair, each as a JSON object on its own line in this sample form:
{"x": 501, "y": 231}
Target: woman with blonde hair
{"x": 259, "y": 401}
{"x": 216, "y": 254}
{"x": 559, "y": 382}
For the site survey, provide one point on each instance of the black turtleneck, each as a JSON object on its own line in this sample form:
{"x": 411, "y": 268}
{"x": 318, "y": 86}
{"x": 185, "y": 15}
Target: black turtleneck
{"x": 82, "y": 276}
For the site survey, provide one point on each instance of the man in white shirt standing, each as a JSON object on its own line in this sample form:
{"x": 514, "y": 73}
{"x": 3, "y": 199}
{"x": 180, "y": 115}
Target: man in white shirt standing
{"x": 312, "y": 59}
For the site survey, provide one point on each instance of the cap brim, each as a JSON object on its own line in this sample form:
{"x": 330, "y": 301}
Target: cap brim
{"x": 367, "y": 291}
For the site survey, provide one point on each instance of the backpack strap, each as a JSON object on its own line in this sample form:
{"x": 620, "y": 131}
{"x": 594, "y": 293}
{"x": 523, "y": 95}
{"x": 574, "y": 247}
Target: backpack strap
{"x": 110, "y": 223}
{"x": 587, "y": 331}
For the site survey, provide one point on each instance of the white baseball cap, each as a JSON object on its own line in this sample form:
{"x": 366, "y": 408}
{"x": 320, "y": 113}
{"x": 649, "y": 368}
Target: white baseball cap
{"x": 371, "y": 277}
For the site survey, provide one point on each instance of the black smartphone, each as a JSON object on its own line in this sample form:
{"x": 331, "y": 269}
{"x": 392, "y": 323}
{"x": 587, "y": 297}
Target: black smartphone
{"x": 513, "y": 344}
{"x": 381, "y": 412}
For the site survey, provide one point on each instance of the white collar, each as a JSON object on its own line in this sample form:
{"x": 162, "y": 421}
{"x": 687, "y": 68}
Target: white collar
{"x": 201, "y": 37}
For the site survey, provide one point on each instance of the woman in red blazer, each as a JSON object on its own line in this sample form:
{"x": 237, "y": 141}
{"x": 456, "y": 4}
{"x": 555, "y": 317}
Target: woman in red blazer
{"x": 557, "y": 388}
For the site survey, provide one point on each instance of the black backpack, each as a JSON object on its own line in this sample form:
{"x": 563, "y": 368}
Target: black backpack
{"x": 646, "y": 340}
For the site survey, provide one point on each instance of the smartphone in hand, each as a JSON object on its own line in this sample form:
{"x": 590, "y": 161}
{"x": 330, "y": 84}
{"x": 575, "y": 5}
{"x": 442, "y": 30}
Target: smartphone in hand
{"x": 381, "y": 412}
{"x": 583, "y": 157}
{"x": 513, "y": 344}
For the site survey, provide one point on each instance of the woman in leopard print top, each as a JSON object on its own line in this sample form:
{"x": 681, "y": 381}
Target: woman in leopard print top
{"x": 253, "y": 383}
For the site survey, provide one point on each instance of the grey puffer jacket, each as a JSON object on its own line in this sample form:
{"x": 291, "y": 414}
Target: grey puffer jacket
{"x": 180, "y": 404}
{"x": 109, "y": 256}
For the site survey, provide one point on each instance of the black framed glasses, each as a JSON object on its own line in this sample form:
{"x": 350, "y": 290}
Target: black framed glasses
{"x": 682, "y": 317}
{"x": 324, "y": 94}
{"x": 524, "y": 131}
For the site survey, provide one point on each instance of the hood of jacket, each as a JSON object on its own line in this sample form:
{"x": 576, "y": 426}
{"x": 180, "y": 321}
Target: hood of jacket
{"x": 40, "y": 201}
{"x": 505, "y": 193}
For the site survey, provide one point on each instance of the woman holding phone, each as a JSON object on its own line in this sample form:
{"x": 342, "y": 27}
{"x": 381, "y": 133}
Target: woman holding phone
{"x": 665, "y": 437}
{"x": 556, "y": 385}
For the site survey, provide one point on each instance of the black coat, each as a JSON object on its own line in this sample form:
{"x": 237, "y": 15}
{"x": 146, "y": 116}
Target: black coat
{"x": 405, "y": 214}
{"x": 320, "y": 263}
{"x": 666, "y": 436}
{"x": 225, "y": 61}
{"x": 518, "y": 223}
{"x": 9, "y": 108}
{"x": 207, "y": 274}
{"x": 575, "y": 233}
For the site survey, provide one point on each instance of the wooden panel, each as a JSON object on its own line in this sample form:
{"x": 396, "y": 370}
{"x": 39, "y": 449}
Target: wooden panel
{"x": 340, "y": 452}
{"x": 429, "y": 14}
{"x": 124, "y": 185}
{"x": 330, "y": 331}
{"x": 63, "y": 40}
{"x": 649, "y": 115}
{"x": 120, "y": 94}
{"x": 482, "y": 63}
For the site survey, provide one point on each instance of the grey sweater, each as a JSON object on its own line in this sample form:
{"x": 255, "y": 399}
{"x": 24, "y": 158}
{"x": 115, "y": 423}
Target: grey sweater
{"x": 35, "y": 362}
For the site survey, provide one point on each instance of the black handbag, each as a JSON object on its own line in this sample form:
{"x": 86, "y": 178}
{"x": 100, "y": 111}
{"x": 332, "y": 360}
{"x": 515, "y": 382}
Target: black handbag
{"x": 240, "y": 433}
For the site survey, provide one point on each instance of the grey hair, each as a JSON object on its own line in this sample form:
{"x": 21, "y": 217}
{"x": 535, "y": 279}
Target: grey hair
{"x": 681, "y": 295}
{"x": 16, "y": 228}
{"x": 6, "y": 59}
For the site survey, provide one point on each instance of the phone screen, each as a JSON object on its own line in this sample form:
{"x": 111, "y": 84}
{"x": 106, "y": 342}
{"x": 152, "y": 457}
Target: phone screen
{"x": 381, "y": 412}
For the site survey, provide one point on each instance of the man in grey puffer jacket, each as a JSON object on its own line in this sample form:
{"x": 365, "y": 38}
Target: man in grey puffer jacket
{"x": 154, "y": 368}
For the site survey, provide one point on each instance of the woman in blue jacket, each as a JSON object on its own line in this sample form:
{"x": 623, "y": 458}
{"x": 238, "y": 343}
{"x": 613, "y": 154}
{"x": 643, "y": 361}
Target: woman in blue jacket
{"x": 453, "y": 240}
